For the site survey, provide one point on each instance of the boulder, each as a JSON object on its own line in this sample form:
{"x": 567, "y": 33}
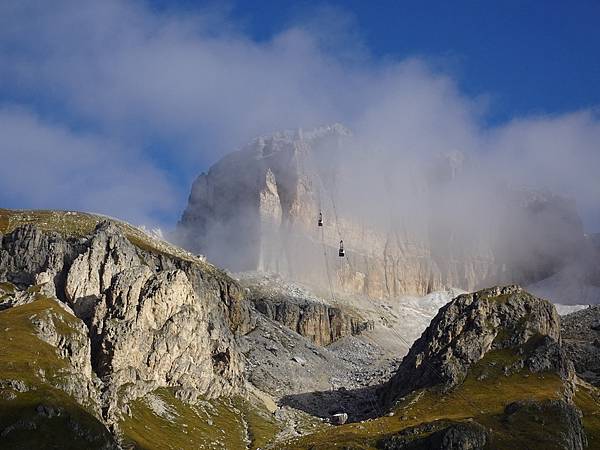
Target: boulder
{"x": 339, "y": 418}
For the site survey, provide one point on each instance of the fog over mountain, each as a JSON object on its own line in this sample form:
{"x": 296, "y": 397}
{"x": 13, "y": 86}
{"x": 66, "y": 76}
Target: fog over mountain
{"x": 136, "y": 101}
{"x": 412, "y": 225}
{"x": 291, "y": 225}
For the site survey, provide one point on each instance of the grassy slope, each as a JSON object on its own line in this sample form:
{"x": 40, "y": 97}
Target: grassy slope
{"x": 587, "y": 398}
{"x": 23, "y": 356}
{"x": 216, "y": 424}
{"x": 484, "y": 401}
{"x": 234, "y": 421}
{"x": 69, "y": 223}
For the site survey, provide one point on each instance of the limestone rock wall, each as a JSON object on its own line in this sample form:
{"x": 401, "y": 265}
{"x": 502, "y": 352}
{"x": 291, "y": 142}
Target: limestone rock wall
{"x": 152, "y": 319}
{"x": 257, "y": 209}
{"x": 321, "y": 323}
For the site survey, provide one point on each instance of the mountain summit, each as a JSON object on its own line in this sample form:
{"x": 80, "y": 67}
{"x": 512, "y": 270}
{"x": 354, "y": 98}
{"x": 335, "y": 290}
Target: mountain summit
{"x": 409, "y": 227}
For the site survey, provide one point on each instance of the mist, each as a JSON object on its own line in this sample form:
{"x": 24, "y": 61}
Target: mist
{"x": 116, "y": 107}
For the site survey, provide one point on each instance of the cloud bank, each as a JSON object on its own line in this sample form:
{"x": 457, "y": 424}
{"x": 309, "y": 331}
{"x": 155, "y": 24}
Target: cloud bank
{"x": 114, "y": 107}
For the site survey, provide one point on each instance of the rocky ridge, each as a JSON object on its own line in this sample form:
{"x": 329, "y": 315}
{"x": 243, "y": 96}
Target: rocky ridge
{"x": 472, "y": 325}
{"x": 153, "y": 319}
{"x": 302, "y": 312}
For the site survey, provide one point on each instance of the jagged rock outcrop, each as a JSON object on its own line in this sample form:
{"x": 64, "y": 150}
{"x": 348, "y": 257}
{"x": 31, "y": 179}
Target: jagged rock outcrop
{"x": 323, "y": 324}
{"x": 257, "y": 208}
{"x": 151, "y": 319}
{"x": 581, "y": 341}
{"x": 553, "y": 413}
{"x": 70, "y": 338}
{"x": 438, "y": 436}
{"x": 301, "y": 310}
{"x": 470, "y": 326}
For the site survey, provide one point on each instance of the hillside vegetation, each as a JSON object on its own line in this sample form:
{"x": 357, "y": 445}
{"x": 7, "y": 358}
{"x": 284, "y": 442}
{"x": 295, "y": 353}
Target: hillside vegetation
{"x": 35, "y": 411}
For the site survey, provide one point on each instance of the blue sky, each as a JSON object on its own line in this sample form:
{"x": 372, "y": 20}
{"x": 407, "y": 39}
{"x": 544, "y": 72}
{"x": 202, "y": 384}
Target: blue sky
{"x": 529, "y": 56}
{"x": 116, "y": 106}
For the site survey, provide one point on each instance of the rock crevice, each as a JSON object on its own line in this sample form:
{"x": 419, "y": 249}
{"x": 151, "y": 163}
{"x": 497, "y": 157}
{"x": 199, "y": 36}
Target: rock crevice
{"x": 152, "y": 320}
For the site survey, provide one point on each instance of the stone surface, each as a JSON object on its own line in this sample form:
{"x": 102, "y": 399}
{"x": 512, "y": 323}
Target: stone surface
{"x": 257, "y": 208}
{"x": 580, "y": 340}
{"x": 339, "y": 418}
{"x": 302, "y": 312}
{"x": 74, "y": 346}
{"x": 322, "y": 324}
{"x": 151, "y": 319}
{"x": 438, "y": 436}
{"x": 471, "y": 325}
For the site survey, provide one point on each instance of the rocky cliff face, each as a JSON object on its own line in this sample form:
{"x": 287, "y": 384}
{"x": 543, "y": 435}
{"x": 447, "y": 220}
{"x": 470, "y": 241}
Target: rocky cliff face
{"x": 257, "y": 209}
{"x": 581, "y": 339}
{"x": 151, "y": 319}
{"x": 322, "y": 324}
{"x": 472, "y": 325}
{"x": 302, "y": 312}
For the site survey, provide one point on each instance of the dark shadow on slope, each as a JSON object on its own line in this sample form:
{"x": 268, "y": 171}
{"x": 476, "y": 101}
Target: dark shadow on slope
{"x": 359, "y": 404}
{"x": 31, "y": 425}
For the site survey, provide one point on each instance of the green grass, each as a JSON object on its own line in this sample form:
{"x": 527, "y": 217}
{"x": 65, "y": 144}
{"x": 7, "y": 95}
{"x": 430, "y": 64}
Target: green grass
{"x": 587, "y": 398}
{"x": 69, "y": 223}
{"x": 7, "y": 287}
{"x": 24, "y": 357}
{"x": 503, "y": 298}
{"x": 22, "y": 351}
{"x": 216, "y": 424}
{"x": 78, "y": 224}
{"x": 484, "y": 401}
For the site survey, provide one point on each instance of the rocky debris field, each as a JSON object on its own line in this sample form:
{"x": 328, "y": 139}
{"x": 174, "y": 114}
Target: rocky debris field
{"x": 581, "y": 340}
{"x": 301, "y": 372}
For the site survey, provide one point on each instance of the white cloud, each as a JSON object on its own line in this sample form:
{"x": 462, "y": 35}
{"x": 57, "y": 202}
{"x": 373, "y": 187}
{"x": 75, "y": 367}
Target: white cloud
{"x": 201, "y": 87}
{"x": 45, "y": 165}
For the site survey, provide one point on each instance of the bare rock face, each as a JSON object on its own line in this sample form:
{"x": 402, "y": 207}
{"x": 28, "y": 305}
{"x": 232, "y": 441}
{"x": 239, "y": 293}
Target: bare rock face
{"x": 29, "y": 257}
{"x": 74, "y": 345}
{"x": 323, "y": 324}
{"x": 152, "y": 320}
{"x": 302, "y": 312}
{"x": 520, "y": 415}
{"x": 473, "y": 324}
{"x": 438, "y": 436}
{"x": 581, "y": 340}
{"x": 257, "y": 209}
